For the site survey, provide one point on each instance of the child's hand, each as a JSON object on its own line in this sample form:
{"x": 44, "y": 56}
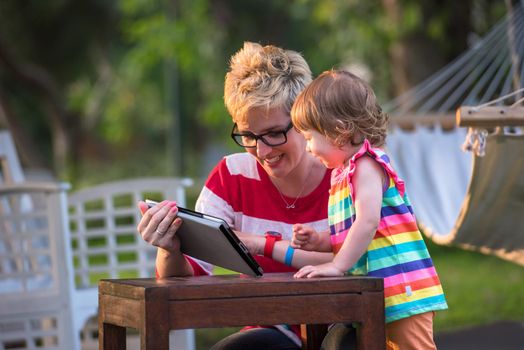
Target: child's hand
{"x": 324, "y": 270}
{"x": 304, "y": 237}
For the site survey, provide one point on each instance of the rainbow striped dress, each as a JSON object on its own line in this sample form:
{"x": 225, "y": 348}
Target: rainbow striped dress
{"x": 397, "y": 252}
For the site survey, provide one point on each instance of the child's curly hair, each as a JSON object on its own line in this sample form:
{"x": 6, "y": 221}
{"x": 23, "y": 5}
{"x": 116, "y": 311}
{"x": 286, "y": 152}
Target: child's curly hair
{"x": 340, "y": 105}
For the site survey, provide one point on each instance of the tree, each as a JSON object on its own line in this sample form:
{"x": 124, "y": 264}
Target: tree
{"x": 93, "y": 86}
{"x": 44, "y": 48}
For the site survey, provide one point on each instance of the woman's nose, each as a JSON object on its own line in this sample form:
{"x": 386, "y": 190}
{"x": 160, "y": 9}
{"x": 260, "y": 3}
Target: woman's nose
{"x": 262, "y": 149}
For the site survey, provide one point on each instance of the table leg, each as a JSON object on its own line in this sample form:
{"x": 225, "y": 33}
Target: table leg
{"x": 158, "y": 341}
{"x": 154, "y": 325}
{"x": 112, "y": 337}
{"x": 312, "y": 335}
{"x": 371, "y": 334}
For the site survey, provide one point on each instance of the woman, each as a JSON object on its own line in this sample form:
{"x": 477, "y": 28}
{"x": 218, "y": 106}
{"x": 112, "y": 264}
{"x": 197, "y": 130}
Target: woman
{"x": 260, "y": 193}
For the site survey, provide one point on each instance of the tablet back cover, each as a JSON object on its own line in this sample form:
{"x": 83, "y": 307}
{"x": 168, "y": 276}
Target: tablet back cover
{"x": 209, "y": 240}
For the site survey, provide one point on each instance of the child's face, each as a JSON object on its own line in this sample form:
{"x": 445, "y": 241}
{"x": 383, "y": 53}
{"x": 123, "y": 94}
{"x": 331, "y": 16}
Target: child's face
{"x": 331, "y": 155}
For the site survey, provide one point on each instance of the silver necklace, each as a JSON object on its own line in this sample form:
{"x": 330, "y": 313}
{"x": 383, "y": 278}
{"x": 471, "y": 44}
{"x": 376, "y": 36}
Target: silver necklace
{"x": 292, "y": 205}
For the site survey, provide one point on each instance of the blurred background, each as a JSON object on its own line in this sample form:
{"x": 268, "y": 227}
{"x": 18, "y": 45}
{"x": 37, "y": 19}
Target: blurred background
{"x": 98, "y": 90}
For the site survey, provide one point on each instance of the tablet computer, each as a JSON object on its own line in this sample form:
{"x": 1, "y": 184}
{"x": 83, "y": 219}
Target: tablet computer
{"x": 210, "y": 239}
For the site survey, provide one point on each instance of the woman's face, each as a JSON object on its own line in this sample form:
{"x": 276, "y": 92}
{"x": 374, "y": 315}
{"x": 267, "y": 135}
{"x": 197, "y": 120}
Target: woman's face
{"x": 278, "y": 161}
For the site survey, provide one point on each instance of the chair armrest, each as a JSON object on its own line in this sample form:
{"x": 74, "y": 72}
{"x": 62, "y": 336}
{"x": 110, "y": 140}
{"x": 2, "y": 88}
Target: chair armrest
{"x": 25, "y": 187}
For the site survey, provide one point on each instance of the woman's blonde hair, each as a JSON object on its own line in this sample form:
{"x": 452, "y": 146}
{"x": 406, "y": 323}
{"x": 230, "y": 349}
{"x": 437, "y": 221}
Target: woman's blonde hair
{"x": 340, "y": 105}
{"x": 264, "y": 76}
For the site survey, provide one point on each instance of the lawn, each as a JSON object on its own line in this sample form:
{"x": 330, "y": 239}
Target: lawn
{"x": 480, "y": 289}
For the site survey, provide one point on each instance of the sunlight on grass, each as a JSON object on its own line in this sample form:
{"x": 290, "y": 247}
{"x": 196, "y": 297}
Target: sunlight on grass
{"x": 479, "y": 288}
{"x": 217, "y": 270}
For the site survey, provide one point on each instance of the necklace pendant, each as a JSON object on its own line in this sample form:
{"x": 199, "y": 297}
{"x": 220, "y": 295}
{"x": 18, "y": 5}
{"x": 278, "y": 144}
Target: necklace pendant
{"x": 291, "y": 206}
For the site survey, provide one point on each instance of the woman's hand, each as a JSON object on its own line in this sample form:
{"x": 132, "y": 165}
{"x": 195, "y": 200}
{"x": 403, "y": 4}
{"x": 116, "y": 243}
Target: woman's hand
{"x": 323, "y": 270}
{"x": 159, "y": 224}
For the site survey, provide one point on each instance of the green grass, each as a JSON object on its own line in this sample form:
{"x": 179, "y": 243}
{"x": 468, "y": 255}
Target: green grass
{"x": 205, "y": 338}
{"x": 480, "y": 289}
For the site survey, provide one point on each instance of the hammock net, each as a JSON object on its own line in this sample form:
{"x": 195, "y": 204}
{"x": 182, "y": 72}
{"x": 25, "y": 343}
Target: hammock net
{"x": 462, "y": 198}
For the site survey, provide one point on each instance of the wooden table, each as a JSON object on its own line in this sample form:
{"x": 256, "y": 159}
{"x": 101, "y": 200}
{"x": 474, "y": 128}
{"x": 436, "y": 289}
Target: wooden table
{"x": 156, "y": 306}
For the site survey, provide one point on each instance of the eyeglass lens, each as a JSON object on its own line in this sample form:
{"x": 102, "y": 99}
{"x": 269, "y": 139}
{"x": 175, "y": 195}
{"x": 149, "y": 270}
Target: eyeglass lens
{"x": 272, "y": 138}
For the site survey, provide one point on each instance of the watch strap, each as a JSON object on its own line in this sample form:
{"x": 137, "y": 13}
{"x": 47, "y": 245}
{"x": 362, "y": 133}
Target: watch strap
{"x": 270, "y": 244}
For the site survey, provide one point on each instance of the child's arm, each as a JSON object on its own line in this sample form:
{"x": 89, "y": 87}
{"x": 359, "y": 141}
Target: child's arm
{"x": 300, "y": 258}
{"x": 368, "y": 186}
{"x": 306, "y": 238}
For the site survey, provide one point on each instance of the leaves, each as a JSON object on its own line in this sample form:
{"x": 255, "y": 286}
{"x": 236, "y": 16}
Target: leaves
{"x": 136, "y": 72}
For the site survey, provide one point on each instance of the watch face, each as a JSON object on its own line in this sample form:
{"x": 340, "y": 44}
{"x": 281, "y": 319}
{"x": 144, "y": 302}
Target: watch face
{"x": 274, "y": 234}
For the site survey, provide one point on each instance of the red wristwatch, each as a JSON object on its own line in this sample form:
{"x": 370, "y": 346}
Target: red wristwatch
{"x": 271, "y": 238}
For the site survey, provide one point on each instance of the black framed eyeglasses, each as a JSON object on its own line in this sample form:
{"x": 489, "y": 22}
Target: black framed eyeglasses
{"x": 271, "y": 138}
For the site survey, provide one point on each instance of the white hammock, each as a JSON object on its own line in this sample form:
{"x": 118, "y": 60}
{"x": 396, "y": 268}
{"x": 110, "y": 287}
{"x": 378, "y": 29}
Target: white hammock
{"x": 461, "y": 198}
{"x": 473, "y": 202}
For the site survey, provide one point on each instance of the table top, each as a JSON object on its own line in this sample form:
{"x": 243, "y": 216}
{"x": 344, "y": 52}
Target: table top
{"x": 270, "y": 284}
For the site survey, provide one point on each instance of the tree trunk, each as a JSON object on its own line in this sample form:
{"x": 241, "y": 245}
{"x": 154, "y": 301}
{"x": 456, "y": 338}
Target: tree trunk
{"x": 39, "y": 82}
{"x": 28, "y": 152}
{"x": 414, "y": 55}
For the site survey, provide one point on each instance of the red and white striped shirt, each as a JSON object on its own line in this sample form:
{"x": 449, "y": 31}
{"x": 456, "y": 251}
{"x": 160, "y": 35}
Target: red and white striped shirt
{"x": 239, "y": 191}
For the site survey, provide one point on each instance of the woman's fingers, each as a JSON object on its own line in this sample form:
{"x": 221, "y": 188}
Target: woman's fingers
{"x": 147, "y": 215}
{"x": 173, "y": 227}
{"x": 143, "y": 207}
{"x": 163, "y": 218}
{"x": 169, "y": 241}
{"x": 157, "y": 221}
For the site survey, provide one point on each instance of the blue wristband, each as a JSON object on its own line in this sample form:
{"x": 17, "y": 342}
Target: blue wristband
{"x": 289, "y": 255}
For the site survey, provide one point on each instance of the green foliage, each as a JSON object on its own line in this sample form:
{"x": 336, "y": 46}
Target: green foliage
{"x": 185, "y": 36}
{"x": 346, "y": 33}
{"x": 134, "y": 74}
{"x": 205, "y": 338}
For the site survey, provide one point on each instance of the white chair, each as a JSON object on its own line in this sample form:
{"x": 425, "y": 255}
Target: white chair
{"x": 105, "y": 242}
{"x": 36, "y": 304}
{"x": 52, "y": 254}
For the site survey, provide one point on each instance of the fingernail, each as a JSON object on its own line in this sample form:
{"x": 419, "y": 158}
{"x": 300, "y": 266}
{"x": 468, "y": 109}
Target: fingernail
{"x": 173, "y": 209}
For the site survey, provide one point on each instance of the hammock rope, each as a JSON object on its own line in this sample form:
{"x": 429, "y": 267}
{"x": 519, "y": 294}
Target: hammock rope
{"x": 473, "y": 200}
